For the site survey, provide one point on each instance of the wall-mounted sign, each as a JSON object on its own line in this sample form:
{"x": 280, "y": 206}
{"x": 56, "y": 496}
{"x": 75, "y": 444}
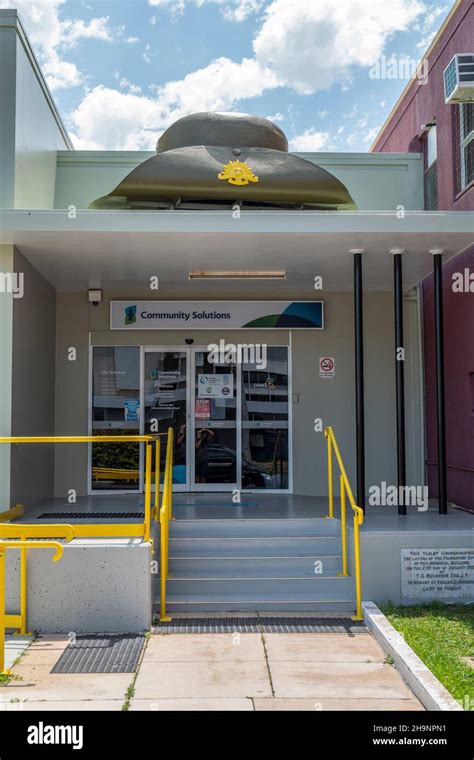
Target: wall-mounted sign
{"x": 202, "y": 409}
{"x": 431, "y": 574}
{"x": 327, "y": 367}
{"x": 212, "y": 315}
{"x": 215, "y": 386}
{"x": 132, "y": 409}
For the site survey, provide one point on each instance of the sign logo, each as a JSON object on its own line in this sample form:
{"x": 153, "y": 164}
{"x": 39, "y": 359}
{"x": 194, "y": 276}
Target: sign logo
{"x": 237, "y": 173}
{"x": 327, "y": 367}
{"x": 130, "y": 315}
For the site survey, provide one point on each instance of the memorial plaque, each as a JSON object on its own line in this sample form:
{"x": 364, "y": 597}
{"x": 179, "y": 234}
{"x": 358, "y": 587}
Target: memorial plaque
{"x": 430, "y": 574}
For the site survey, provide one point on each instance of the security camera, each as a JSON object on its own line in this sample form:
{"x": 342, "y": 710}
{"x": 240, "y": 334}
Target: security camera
{"x": 189, "y": 341}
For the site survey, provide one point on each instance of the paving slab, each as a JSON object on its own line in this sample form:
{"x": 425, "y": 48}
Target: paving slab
{"x": 176, "y": 705}
{"x": 312, "y": 705}
{"x": 337, "y": 680}
{"x": 83, "y": 705}
{"x": 322, "y": 647}
{"x": 198, "y": 680}
{"x": 14, "y": 647}
{"x": 205, "y": 647}
{"x": 34, "y": 681}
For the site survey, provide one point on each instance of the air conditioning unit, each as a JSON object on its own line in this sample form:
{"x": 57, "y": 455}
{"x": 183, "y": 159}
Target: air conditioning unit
{"x": 459, "y": 80}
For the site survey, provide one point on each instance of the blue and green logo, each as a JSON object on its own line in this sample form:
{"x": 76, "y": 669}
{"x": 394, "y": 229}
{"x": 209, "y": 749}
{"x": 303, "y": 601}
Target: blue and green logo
{"x": 130, "y": 315}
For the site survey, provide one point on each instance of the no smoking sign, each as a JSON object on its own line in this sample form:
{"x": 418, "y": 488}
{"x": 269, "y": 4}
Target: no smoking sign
{"x": 326, "y": 367}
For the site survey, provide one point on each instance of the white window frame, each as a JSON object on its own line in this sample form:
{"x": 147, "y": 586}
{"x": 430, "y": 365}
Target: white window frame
{"x": 464, "y": 141}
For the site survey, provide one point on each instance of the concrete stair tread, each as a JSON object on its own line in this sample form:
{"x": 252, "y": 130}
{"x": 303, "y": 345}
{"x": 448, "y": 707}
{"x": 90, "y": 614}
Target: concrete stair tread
{"x": 312, "y": 576}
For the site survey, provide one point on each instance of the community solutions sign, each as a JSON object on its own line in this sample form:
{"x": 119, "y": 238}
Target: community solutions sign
{"x": 209, "y": 315}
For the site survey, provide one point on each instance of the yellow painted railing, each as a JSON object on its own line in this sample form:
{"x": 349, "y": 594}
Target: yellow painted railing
{"x": 345, "y": 490}
{"x": 20, "y": 534}
{"x": 23, "y": 546}
{"x": 104, "y": 530}
{"x": 166, "y": 514}
{"x": 23, "y": 532}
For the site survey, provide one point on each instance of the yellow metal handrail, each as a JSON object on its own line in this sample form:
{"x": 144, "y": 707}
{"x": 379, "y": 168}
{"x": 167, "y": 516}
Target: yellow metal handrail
{"x": 166, "y": 514}
{"x": 345, "y": 489}
{"x": 23, "y": 532}
{"x": 23, "y": 546}
{"x": 137, "y": 530}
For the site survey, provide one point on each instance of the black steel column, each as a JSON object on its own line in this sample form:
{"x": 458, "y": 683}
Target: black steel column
{"x": 440, "y": 402}
{"x": 399, "y": 375}
{"x": 359, "y": 378}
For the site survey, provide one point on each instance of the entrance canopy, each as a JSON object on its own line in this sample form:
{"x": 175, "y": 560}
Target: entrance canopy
{"x": 122, "y": 249}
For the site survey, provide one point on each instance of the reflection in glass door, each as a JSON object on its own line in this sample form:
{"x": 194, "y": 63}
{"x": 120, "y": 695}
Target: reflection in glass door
{"x": 215, "y": 457}
{"x": 265, "y": 422}
{"x": 165, "y": 390}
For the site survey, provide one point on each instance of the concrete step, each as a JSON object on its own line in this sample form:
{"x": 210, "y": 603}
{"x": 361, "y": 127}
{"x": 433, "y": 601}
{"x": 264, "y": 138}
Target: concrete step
{"x": 262, "y": 546}
{"x": 261, "y": 567}
{"x": 315, "y": 587}
{"x": 255, "y": 603}
{"x": 254, "y": 528}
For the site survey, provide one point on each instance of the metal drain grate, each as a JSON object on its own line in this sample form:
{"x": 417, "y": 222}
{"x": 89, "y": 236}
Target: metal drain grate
{"x": 91, "y": 515}
{"x": 262, "y": 625}
{"x": 101, "y": 654}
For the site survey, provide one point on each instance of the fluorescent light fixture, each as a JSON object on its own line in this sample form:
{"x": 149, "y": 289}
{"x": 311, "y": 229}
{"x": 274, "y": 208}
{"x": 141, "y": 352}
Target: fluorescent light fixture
{"x": 223, "y": 275}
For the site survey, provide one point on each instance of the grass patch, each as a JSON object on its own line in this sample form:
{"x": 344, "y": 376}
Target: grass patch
{"x": 440, "y": 634}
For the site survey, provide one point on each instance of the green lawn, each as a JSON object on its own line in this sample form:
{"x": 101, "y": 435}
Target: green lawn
{"x": 440, "y": 634}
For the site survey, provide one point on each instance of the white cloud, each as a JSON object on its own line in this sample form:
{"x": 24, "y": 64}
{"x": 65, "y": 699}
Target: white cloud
{"x": 241, "y": 9}
{"x": 72, "y": 30}
{"x": 276, "y": 117}
{"x": 312, "y": 45}
{"x": 310, "y": 141}
{"x": 107, "y": 118}
{"x": 50, "y": 36}
{"x": 233, "y": 10}
{"x": 306, "y": 46}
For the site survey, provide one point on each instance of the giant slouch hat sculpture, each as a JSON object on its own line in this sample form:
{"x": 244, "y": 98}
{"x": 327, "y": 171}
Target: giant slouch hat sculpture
{"x": 220, "y": 158}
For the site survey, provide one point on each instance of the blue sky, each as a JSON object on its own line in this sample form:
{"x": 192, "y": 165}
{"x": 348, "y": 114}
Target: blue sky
{"x": 122, "y": 70}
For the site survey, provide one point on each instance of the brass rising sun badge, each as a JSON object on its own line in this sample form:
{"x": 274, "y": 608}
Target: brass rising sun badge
{"x": 237, "y": 173}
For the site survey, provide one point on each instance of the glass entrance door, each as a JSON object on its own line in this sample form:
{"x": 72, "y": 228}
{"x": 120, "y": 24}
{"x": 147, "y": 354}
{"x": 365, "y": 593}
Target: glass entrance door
{"x": 264, "y": 404}
{"x": 214, "y": 411}
{"x": 166, "y": 403}
{"x": 231, "y": 424}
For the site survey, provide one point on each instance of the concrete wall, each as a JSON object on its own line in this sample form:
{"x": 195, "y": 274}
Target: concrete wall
{"x": 71, "y": 398}
{"x": 31, "y": 130}
{"x": 374, "y": 181}
{"x": 32, "y": 380}
{"x": 6, "y": 361}
{"x": 97, "y": 586}
{"x": 381, "y": 556}
{"x": 332, "y": 400}
{"x": 7, "y": 111}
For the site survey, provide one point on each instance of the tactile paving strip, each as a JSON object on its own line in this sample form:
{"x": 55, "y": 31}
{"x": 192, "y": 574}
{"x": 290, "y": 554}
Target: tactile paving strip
{"x": 91, "y": 515}
{"x": 101, "y": 654}
{"x": 262, "y": 625}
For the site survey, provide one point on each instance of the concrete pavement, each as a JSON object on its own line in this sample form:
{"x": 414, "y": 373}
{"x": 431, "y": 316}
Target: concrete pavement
{"x": 220, "y": 671}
